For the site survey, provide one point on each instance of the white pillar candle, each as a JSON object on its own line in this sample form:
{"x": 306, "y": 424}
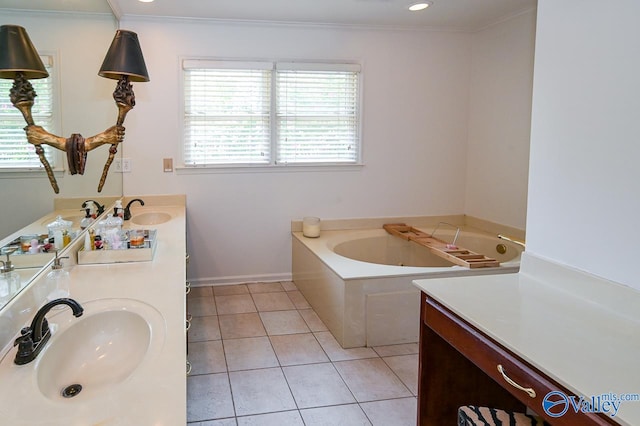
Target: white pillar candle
{"x": 311, "y": 227}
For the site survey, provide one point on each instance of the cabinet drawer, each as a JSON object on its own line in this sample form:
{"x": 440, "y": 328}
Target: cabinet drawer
{"x": 519, "y": 378}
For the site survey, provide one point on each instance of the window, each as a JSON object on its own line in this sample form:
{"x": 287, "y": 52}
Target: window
{"x": 265, "y": 113}
{"x": 15, "y": 151}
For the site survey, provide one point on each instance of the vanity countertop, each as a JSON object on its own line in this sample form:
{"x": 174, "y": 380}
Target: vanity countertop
{"x": 582, "y": 331}
{"x": 155, "y": 395}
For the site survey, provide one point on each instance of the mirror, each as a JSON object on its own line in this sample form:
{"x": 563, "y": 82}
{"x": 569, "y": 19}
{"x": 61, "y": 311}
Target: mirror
{"x": 83, "y": 103}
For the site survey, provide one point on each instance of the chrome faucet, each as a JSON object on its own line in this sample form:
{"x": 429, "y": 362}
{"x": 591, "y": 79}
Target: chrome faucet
{"x": 513, "y": 240}
{"x": 127, "y": 210}
{"x": 99, "y": 207}
{"x": 32, "y": 339}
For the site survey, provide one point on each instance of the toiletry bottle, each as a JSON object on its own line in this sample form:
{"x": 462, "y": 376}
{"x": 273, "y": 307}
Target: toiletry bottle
{"x": 57, "y": 281}
{"x": 87, "y": 241}
{"x": 118, "y": 210}
{"x": 9, "y": 279}
{"x": 87, "y": 220}
{"x": 57, "y": 230}
{"x": 35, "y": 246}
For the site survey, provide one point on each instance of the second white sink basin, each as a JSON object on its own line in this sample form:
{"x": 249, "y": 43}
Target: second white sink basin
{"x": 74, "y": 216}
{"x": 151, "y": 218}
{"x": 100, "y": 349}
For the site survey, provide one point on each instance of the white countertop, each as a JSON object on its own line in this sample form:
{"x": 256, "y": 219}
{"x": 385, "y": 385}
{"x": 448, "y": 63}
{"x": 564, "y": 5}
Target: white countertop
{"x": 156, "y": 396}
{"x": 581, "y": 331}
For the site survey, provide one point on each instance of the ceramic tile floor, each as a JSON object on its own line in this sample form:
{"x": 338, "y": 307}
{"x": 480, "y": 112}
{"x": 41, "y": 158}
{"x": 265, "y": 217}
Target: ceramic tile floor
{"x": 261, "y": 356}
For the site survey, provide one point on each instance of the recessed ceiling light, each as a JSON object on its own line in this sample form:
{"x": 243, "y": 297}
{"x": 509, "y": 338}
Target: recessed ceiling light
{"x": 420, "y": 6}
{"x": 145, "y": 1}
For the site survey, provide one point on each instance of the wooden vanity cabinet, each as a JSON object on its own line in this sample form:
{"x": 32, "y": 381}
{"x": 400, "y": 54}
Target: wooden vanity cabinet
{"x": 459, "y": 366}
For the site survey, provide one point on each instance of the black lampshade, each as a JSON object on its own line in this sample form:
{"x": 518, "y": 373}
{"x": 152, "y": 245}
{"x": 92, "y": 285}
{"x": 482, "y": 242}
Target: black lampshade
{"x": 17, "y": 54}
{"x": 124, "y": 57}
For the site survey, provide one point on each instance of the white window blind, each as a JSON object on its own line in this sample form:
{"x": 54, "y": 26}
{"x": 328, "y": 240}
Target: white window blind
{"x": 15, "y": 151}
{"x": 227, "y": 113}
{"x": 317, "y": 114}
{"x": 266, "y": 113}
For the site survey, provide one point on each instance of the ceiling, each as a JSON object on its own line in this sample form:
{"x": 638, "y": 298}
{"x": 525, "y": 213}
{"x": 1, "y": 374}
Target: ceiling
{"x": 442, "y": 14}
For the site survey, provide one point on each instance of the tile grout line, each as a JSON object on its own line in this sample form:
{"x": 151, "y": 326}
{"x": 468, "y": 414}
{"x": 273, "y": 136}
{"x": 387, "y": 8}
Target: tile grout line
{"x": 281, "y": 366}
{"x": 396, "y": 374}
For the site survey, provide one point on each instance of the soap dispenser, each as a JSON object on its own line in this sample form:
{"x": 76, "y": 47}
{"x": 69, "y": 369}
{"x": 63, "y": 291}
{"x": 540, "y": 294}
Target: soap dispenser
{"x": 57, "y": 280}
{"x": 9, "y": 278}
{"x": 88, "y": 219}
{"x": 118, "y": 214}
{"x": 118, "y": 211}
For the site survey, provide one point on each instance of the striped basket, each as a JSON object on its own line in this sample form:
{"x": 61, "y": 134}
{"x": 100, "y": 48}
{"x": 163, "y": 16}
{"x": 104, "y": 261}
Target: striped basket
{"x": 470, "y": 415}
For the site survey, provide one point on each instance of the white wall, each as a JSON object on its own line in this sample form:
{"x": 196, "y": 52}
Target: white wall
{"x": 417, "y": 117}
{"x": 499, "y": 121}
{"x": 414, "y": 139}
{"x": 584, "y": 183}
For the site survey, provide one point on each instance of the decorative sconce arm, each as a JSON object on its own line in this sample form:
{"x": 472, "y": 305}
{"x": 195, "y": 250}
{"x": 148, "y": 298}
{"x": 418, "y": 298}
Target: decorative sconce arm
{"x": 113, "y": 136}
{"x": 75, "y": 146}
{"x": 37, "y": 135}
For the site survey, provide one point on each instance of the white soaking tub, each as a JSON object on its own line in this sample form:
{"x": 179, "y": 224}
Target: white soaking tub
{"x": 359, "y": 282}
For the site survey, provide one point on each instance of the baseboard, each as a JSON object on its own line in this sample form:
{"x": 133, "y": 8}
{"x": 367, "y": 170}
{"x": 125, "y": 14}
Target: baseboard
{"x": 240, "y": 279}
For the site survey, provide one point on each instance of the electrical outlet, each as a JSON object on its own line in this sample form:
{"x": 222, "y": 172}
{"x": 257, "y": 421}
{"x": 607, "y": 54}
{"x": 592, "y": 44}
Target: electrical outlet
{"x": 126, "y": 165}
{"x": 117, "y": 165}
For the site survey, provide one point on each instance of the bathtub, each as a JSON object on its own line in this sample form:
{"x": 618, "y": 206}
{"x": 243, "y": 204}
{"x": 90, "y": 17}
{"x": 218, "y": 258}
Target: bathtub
{"x": 359, "y": 282}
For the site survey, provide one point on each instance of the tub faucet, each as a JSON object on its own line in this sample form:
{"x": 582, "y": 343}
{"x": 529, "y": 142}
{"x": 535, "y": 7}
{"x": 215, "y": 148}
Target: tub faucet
{"x": 520, "y": 243}
{"x": 127, "y": 210}
{"x": 32, "y": 339}
{"x": 99, "y": 207}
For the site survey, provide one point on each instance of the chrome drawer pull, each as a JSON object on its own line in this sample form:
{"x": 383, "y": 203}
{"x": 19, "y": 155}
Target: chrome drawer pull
{"x": 188, "y": 286}
{"x": 188, "y": 368}
{"x": 529, "y": 391}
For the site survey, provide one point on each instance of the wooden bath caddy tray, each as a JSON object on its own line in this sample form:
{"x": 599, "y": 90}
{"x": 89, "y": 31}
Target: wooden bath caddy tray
{"x": 458, "y": 255}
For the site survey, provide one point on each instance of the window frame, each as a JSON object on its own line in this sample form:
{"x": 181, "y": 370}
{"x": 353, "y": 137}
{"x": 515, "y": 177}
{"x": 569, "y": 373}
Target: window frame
{"x": 273, "y": 164}
{"x": 55, "y": 157}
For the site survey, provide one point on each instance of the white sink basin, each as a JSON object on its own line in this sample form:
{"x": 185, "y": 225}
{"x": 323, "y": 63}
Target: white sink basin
{"x": 99, "y": 350}
{"x": 75, "y": 220}
{"x": 151, "y": 218}
{"x": 71, "y": 215}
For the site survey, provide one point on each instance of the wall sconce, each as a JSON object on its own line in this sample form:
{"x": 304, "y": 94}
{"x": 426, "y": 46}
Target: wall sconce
{"x": 20, "y": 61}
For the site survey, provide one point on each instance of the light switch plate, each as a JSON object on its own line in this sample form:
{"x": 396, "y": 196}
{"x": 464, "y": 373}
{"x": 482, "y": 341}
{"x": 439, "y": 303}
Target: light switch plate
{"x": 167, "y": 164}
